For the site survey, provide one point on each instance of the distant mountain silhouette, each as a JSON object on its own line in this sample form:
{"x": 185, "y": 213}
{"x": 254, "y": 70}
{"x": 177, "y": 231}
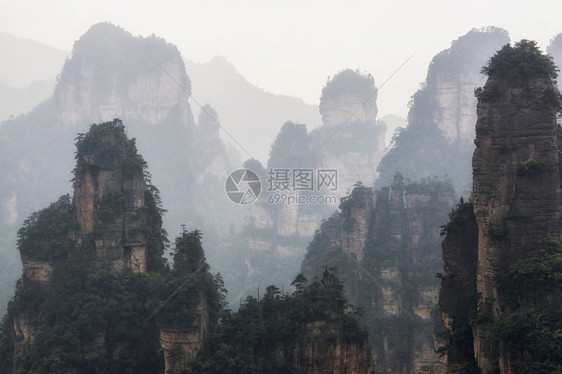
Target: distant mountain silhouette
{"x": 25, "y": 61}
{"x": 250, "y": 114}
{"x": 27, "y": 74}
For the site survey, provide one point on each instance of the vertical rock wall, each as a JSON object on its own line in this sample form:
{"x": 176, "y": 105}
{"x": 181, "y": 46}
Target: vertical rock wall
{"x": 517, "y": 206}
{"x": 382, "y": 244}
{"x": 109, "y": 192}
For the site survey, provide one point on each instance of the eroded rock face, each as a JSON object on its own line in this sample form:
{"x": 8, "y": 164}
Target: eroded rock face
{"x": 181, "y": 344}
{"x": 458, "y": 295}
{"x": 348, "y": 145}
{"x": 109, "y": 192}
{"x": 324, "y": 346}
{"x": 340, "y": 109}
{"x": 351, "y": 140}
{"x": 517, "y": 206}
{"x": 23, "y": 335}
{"x": 113, "y": 74}
{"x": 355, "y": 227}
{"x": 516, "y": 174}
{"x": 37, "y": 270}
{"x": 455, "y": 105}
{"x": 438, "y": 140}
{"x": 378, "y": 243}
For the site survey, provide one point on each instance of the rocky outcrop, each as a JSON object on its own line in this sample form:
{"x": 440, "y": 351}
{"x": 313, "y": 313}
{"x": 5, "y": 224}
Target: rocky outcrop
{"x": 341, "y": 108}
{"x": 36, "y": 269}
{"x": 517, "y": 206}
{"x": 351, "y": 140}
{"x": 82, "y": 260}
{"x": 324, "y": 346}
{"x": 317, "y": 354}
{"x": 312, "y": 330}
{"x": 454, "y": 112}
{"x": 348, "y": 145}
{"x": 516, "y": 187}
{"x": 458, "y": 295}
{"x": 180, "y": 344}
{"x": 386, "y": 244}
{"x": 109, "y": 197}
{"x": 143, "y": 79}
{"x": 105, "y": 223}
{"x": 438, "y": 141}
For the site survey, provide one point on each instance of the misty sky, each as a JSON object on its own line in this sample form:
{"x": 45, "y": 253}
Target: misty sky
{"x": 289, "y": 46}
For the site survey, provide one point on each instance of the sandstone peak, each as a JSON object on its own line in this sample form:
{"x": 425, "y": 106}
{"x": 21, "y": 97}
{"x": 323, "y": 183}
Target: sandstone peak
{"x": 346, "y": 93}
{"x": 109, "y": 196}
{"x": 515, "y": 225}
{"x": 113, "y": 74}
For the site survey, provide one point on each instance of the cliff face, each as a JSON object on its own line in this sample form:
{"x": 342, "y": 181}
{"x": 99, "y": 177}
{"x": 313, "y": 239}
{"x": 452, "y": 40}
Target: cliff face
{"x": 109, "y": 197}
{"x": 387, "y": 247}
{"x": 439, "y": 138}
{"x": 350, "y": 140}
{"x": 95, "y": 265}
{"x": 181, "y": 344}
{"x": 112, "y": 74}
{"x": 454, "y": 113}
{"x": 132, "y": 82}
{"x": 349, "y": 145}
{"x": 324, "y": 346}
{"x": 516, "y": 174}
{"x": 458, "y": 295}
{"x": 517, "y": 212}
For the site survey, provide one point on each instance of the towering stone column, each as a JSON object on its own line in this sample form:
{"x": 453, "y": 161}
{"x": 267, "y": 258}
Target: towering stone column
{"x": 516, "y": 178}
{"x": 109, "y": 196}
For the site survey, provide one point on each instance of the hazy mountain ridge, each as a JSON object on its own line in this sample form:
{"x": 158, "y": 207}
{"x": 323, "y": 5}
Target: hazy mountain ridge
{"x": 438, "y": 141}
{"x": 16, "y": 101}
{"x": 27, "y": 74}
{"x": 28, "y": 61}
{"x": 247, "y": 111}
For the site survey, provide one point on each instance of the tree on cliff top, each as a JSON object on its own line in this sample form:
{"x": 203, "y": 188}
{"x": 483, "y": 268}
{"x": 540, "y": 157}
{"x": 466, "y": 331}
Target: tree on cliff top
{"x": 349, "y": 82}
{"x": 522, "y": 60}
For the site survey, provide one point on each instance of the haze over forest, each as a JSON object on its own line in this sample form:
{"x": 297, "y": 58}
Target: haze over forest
{"x": 319, "y": 187}
{"x": 297, "y": 48}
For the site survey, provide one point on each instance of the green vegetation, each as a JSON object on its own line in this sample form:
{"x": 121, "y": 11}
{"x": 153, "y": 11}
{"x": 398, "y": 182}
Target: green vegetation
{"x": 111, "y": 205}
{"x": 105, "y": 321}
{"x": 468, "y": 50}
{"x": 531, "y": 294}
{"x": 107, "y": 144}
{"x": 349, "y": 82}
{"x": 393, "y": 264}
{"x": 458, "y": 297}
{"x": 531, "y": 168}
{"x": 517, "y": 64}
{"x": 292, "y": 148}
{"x": 422, "y": 150}
{"x": 46, "y": 234}
{"x": 99, "y": 320}
{"x": 523, "y": 60}
{"x": 457, "y": 218}
{"x": 261, "y": 337}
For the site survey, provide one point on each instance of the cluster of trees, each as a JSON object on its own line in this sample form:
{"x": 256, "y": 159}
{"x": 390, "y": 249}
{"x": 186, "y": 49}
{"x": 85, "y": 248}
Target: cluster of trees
{"x": 106, "y": 321}
{"x": 389, "y": 246}
{"x": 531, "y": 323}
{"x": 95, "y": 319}
{"x": 264, "y": 336}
